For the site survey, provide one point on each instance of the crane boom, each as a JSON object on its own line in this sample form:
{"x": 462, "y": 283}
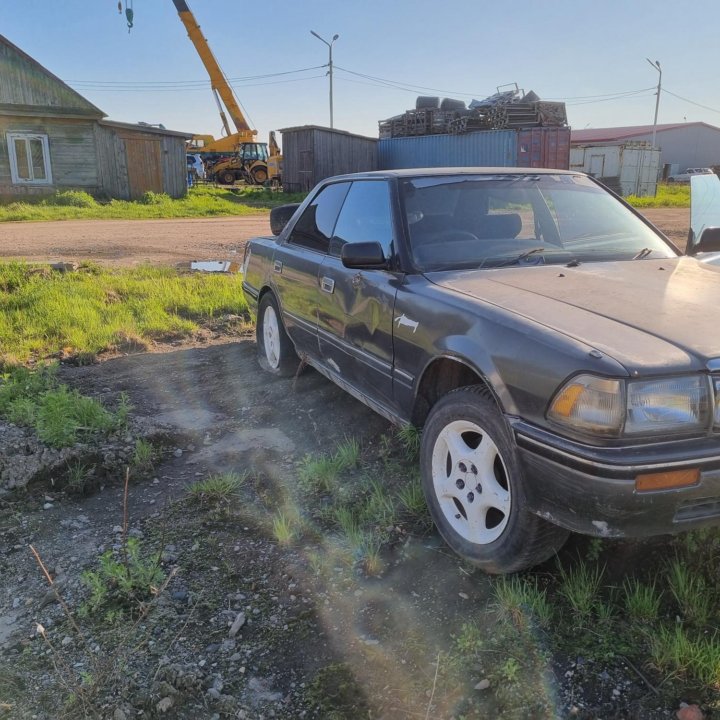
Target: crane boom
{"x": 218, "y": 81}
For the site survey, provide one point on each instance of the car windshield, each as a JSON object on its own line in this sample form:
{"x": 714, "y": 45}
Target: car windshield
{"x": 474, "y": 221}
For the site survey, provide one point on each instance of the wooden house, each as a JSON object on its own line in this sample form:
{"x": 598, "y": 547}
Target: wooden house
{"x": 52, "y": 138}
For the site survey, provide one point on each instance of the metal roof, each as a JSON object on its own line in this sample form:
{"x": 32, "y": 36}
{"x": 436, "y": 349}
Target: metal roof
{"x": 627, "y": 132}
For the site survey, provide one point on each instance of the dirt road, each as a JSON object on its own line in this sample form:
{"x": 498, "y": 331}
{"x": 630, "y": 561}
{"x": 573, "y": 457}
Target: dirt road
{"x": 168, "y": 242}
{"x": 131, "y": 242}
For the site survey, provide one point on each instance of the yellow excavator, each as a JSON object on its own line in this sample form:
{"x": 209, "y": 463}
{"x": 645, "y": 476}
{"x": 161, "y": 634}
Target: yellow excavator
{"x": 236, "y": 156}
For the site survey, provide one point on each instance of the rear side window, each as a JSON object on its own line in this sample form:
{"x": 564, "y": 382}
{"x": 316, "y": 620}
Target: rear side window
{"x": 315, "y": 227}
{"x": 365, "y": 217}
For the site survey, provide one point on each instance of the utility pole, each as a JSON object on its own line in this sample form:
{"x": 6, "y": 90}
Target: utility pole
{"x": 656, "y": 65}
{"x": 330, "y": 68}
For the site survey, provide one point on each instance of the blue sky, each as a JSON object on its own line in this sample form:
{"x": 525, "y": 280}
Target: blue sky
{"x": 560, "y": 49}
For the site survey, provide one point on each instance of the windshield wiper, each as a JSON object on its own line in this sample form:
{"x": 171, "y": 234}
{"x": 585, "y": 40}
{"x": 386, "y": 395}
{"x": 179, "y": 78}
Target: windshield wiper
{"x": 643, "y": 254}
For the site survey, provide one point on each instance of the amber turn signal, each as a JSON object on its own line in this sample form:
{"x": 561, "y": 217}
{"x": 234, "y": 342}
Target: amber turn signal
{"x": 667, "y": 480}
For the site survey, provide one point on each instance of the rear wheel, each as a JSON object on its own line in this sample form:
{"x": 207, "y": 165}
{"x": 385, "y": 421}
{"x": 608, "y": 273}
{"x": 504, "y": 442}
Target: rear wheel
{"x": 276, "y": 353}
{"x": 473, "y": 485}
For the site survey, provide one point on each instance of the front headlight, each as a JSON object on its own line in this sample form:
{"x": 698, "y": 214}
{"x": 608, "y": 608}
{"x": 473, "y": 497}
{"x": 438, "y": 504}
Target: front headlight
{"x": 665, "y": 406}
{"x": 590, "y": 404}
{"x": 601, "y": 406}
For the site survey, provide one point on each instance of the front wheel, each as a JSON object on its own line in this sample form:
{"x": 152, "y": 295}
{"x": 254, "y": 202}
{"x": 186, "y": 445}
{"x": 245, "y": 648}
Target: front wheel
{"x": 473, "y": 486}
{"x": 276, "y": 353}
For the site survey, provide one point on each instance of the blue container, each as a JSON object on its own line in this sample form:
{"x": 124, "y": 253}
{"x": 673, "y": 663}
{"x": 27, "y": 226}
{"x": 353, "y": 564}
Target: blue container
{"x": 491, "y": 148}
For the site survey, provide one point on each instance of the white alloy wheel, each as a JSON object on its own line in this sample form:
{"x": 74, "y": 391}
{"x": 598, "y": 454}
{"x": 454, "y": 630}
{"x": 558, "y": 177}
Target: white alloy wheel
{"x": 271, "y": 337}
{"x": 470, "y": 481}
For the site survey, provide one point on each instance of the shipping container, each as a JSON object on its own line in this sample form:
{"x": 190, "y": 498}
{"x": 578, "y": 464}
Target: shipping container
{"x": 629, "y": 168}
{"x": 537, "y": 148}
{"x": 312, "y": 153}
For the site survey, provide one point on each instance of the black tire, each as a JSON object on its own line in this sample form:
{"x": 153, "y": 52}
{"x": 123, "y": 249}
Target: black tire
{"x": 227, "y": 177}
{"x": 507, "y": 537}
{"x": 276, "y": 353}
{"x": 259, "y": 176}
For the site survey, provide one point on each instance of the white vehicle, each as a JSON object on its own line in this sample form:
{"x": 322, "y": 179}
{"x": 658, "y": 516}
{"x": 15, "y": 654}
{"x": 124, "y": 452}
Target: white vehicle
{"x": 685, "y": 176}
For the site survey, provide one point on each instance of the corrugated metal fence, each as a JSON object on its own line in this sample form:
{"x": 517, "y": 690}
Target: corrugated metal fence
{"x": 535, "y": 148}
{"x": 495, "y": 148}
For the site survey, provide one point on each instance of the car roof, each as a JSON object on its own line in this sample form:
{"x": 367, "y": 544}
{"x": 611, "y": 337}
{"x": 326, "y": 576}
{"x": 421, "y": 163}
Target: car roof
{"x": 439, "y": 172}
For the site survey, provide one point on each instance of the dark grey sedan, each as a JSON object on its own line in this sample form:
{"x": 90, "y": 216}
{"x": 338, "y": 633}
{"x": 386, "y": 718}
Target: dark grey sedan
{"x": 561, "y": 356}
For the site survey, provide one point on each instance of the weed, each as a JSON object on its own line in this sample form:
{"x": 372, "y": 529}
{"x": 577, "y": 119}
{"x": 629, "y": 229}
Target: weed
{"x": 690, "y": 591}
{"x": 519, "y": 599}
{"x": 642, "y": 602}
{"x": 412, "y": 501}
{"x": 122, "y": 414}
{"x": 220, "y": 488}
{"x": 347, "y": 454}
{"x": 510, "y": 670}
{"x": 580, "y": 587}
{"x": 594, "y": 549}
{"x": 284, "y": 528}
{"x": 372, "y": 562}
{"x": 64, "y": 414}
{"x": 409, "y": 437}
{"x": 77, "y": 476}
{"x": 349, "y": 523}
{"x": 144, "y": 455}
{"x": 318, "y": 473}
{"x": 124, "y": 580}
{"x": 673, "y": 650}
{"x": 379, "y": 507}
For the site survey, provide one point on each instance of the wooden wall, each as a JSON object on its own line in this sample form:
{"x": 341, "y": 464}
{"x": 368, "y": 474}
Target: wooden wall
{"x": 311, "y": 154}
{"x": 103, "y": 160}
{"x": 73, "y": 156}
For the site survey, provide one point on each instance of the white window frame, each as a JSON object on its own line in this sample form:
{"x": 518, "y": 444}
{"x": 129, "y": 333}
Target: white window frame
{"x": 16, "y": 179}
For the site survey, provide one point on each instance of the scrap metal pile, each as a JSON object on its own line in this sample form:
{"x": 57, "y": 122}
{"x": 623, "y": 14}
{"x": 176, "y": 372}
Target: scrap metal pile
{"x": 511, "y": 109}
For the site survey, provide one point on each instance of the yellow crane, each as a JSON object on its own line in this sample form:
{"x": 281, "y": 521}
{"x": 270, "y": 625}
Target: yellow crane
{"x": 248, "y": 159}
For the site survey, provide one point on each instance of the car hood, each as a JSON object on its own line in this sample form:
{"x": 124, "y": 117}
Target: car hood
{"x": 646, "y": 314}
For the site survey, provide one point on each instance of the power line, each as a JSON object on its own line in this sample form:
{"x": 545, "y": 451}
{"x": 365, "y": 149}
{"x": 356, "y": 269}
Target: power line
{"x": 201, "y": 84}
{"x": 692, "y": 102}
{"x": 193, "y": 89}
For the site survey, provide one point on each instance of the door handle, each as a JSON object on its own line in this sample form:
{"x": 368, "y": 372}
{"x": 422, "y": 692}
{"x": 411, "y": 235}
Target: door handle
{"x": 327, "y": 284}
{"x": 278, "y": 266}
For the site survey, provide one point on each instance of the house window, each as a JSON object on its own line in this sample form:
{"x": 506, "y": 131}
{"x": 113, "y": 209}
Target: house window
{"x": 29, "y": 159}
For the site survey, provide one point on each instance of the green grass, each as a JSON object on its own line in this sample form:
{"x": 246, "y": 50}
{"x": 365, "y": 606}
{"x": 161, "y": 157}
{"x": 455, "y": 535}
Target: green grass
{"x": 60, "y": 416}
{"x": 519, "y": 600}
{"x": 667, "y": 196}
{"x": 580, "y": 587}
{"x": 144, "y": 455}
{"x": 285, "y": 528}
{"x": 319, "y": 473}
{"x": 201, "y": 201}
{"x": 218, "y": 488}
{"x": 642, "y": 602}
{"x": 94, "y": 310}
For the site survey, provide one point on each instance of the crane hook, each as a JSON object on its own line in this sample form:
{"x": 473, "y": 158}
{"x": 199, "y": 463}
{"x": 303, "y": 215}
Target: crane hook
{"x": 129, "y": 14}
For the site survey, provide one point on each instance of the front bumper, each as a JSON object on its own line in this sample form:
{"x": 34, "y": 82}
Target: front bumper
{"x": 591, "y": 490}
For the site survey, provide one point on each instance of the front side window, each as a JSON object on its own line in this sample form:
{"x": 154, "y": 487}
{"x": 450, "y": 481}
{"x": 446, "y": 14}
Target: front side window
{"x": 484, "y": 221}
{"x": 29, "y": 159}
{"x": 315, "y": 227}
{"x": 365, "y": 217}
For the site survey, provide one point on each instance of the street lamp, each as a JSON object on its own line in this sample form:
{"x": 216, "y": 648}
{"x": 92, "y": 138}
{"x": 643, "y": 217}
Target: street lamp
{"x": 656, "y": 65}
{"x": 330, "y": 66}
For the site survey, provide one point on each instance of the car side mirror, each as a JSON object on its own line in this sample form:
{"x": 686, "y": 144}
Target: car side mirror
{"x": 362, "y": 255}
{"x": 709, "y": 241}
{"x": 280, "y": 216}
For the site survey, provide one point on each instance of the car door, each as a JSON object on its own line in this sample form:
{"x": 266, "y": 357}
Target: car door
{"x": 355, "y": 307}
{"x": 296, "y": 265}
